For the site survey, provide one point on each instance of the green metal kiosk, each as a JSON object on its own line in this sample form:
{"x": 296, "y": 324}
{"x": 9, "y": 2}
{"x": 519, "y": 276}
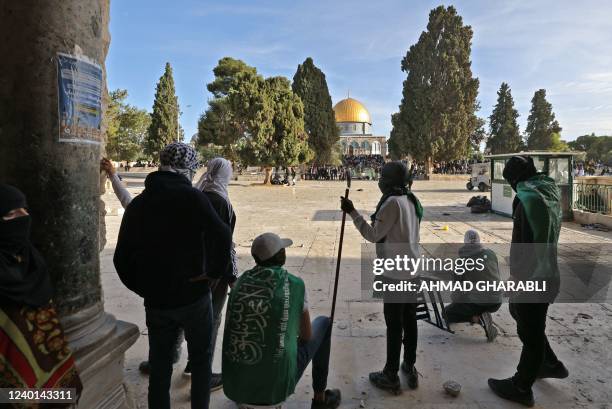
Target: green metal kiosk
{"x": 557, "y": 165}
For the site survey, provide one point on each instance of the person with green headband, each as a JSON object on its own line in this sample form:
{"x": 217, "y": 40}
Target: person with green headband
{"x": 395, "y": 224}
{"x": 533, "y": 256}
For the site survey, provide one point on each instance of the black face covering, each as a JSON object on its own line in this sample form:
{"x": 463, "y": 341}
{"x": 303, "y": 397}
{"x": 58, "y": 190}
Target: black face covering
{"x": 393, "y": 177}
{"x": 519, "y": 169}
{"x": 23, "y": 274}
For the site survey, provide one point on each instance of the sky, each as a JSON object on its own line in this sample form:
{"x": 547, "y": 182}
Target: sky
{"x": 563, "y": 46}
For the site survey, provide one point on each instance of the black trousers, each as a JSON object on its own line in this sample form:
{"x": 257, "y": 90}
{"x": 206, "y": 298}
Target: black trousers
{"x": 401, "y": 329}
{"x": 531, "y": 325}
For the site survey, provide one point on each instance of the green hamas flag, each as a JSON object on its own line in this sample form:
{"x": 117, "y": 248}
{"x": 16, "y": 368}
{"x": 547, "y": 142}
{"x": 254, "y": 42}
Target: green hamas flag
{"x": 260, "y": 339}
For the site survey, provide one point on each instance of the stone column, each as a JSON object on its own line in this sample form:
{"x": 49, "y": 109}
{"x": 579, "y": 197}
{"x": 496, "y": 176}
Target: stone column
{"x": 61, "y": 179}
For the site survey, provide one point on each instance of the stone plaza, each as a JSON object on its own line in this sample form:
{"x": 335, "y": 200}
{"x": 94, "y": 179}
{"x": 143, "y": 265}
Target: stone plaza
{"x": 309, "y": 214}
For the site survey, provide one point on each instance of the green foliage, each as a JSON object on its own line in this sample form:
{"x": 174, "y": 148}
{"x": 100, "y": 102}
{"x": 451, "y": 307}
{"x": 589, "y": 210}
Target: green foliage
{"x": 437, "y": 117}
{"x": 556, "y": 144}
{"x": 163, "y": 128}
{"x": 319, "y": 120}
{"x": 504, "y": 135}
{"x": 127, "y": 128}
{"x": 597, "y": 148}
{"x": 478, "y": 136}
{"x": 259, "y": 121}
{"x": 273, "y": 117}
{"x": 541, "y": 124}
{"x": 218, "y": 125}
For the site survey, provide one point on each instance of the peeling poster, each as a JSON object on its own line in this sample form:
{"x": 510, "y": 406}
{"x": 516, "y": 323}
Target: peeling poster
{"x": 79, "y": 83}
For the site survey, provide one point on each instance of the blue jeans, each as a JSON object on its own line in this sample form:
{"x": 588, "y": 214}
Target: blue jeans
{"x": 164, "y": 327}
{"x": 317, "y": 351}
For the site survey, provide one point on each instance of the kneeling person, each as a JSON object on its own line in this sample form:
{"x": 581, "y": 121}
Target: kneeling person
{"x": 476, "y": 307}
{"x": 269, "y": 339}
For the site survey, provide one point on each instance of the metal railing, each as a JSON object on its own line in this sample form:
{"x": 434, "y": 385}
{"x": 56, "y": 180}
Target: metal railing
{"x": 592, "y": 198}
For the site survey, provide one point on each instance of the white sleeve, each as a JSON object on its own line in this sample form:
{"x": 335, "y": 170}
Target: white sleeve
{"x": 385, "y": 219}
{"x": 120, "y": 191}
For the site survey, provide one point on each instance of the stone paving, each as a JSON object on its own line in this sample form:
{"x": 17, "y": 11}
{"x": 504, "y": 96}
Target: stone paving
{"x": 580, "y": 333}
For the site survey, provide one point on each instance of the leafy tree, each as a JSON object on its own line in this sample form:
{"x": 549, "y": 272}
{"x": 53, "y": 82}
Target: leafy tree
{"x": 218, "y": 126}
{"x": 319, "y": 120}
{"x": 557, "y": 144}
{"x": 273, "y": 119}
{"x": 597, "y": 148}
{"x": 478, "y": 136}
{"x": 541, "y": 123}
{"x": 127, "y": 128}
{"x": 504, "y": 135}
{"x": 436, "y": 117}
{"x": 164, "y": 119}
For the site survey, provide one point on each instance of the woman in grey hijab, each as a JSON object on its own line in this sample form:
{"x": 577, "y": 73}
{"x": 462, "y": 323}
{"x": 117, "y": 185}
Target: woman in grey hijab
{"x": 214, "y": 183}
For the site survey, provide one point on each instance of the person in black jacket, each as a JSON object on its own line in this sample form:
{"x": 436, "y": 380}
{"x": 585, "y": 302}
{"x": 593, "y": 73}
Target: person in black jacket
{"x": 214, "y": 184}
{"x": 172, "y": 247}
{"x": 533, "y": 256}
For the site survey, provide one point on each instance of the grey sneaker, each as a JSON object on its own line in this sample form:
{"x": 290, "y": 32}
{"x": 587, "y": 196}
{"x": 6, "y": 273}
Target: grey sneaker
{"x": 487, "y": 323}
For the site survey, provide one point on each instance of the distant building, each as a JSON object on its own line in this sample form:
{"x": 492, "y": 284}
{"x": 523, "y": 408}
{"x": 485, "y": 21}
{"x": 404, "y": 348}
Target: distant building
{"x": 355, "y": 125}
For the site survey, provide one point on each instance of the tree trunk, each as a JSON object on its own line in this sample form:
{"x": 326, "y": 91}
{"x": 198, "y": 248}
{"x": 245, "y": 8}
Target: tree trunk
{"x": 268, "y": 175}
{"x": 428, "y": 167}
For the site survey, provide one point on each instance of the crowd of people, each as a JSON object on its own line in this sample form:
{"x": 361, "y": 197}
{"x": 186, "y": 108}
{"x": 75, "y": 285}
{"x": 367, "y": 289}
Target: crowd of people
{"x": 592, "y": 168}
{"x": 175, "y": 250}
{"x": 456, "y": 167}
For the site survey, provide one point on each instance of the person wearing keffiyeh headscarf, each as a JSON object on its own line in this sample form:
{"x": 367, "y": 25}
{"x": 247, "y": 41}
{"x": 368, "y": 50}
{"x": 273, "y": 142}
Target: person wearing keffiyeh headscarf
{"x": 180, "y": 158}
{"x": 214, "y": 183}
{"x": 395, "y": 227}
{"x": 172, "y": 246}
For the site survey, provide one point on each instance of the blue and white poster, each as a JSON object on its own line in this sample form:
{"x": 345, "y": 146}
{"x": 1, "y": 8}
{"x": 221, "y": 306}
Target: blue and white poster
{"x": 80, "y": 99}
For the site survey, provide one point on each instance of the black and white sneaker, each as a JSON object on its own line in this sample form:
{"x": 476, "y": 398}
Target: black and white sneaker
{"x": 486, "y": 321}
{"x": 216, "y": 382}
{"x": 187, "y": 370}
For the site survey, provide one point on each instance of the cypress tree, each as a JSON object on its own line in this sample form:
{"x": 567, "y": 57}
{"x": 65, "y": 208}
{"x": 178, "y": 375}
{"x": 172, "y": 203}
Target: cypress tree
{"x": 163, "y": 128}
{"x": 504, "y": 136}
{"x": 541, "y": 124}
{"x": 436, "y": 117}
{"x": 319, "y": 120}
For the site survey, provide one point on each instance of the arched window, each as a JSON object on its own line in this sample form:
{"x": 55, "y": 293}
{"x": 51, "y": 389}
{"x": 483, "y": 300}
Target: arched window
{"x": 376, "y": 148}
{"x": 365, "y": 145}
{"x": 355, "y": 144}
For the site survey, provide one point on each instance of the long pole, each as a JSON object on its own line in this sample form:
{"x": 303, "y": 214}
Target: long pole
{"x": 346, "y": 194}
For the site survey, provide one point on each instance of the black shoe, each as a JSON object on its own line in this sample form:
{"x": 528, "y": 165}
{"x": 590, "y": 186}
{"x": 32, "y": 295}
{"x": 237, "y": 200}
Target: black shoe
{"x": 332, "y": 400}
{"x": 506, "y": 389}
{"x": 412, "y": 375}
{"x": 558, "y": 371}
{"x": 216, "y": 382}
{"x": 385, "y": 381}
{"x": 144, "y": 368}
{"x": 187, "y": 370}
{"x": 487, "y": 323}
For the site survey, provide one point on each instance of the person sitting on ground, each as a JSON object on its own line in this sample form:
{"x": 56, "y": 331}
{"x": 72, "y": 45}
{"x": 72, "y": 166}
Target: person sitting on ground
{"x": 476, "y": 307}
{"x": 268, "y": 339}
{"x": 34, "y": 352}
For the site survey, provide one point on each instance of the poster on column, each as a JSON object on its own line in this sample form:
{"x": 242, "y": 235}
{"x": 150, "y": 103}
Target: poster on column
{"x": 79, "y": 83}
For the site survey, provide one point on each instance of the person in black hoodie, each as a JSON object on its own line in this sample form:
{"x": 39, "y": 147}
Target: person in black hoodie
{"x": 172, "y": 247}
{"x": 533, "y": 256}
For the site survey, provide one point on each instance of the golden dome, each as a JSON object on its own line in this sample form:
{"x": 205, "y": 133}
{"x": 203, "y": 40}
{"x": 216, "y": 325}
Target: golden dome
{"x": 351, "y": 110}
